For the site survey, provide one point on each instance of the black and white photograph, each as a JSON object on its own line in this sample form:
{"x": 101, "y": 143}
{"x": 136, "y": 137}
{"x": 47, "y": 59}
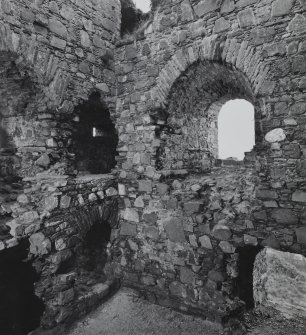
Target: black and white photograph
{"x": 152, "y": 167}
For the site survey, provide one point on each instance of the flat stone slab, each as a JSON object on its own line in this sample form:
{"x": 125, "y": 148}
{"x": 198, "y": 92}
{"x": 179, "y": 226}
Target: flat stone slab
{"x": 280, "y": 282}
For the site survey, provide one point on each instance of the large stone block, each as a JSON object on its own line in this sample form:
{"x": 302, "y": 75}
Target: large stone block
{"x": 187, "y": 12}
{"x": 227, "y": 6}
{"x": 281, "y": 7}
{"x": 187, "y": 276}
{"x": 58, "y": 43}
{"x": 280, "y": 282}
{"x": 130, "y": 214}
{"x": 193, "y": 206}
{"x": 178, "y": 289}
{"x": 301, "y": 235}
{"x": 221, "y": 232}
{"x": 206, "y": 6}
{"x": 246, "y": 18}
{"x": 39, "y": 244}
{"x": 57, "y": 27}
{"x": 284, "y": 216}
{"x": 128, "y": 229}
{"x": 299, "y": 63}
{"x": 275, "y": 135}
{"x": 145, "y": 186}
{"x": 297, "y": 25}
{"x": 174, "y": 230}
{"x": 266, "y": 194}
{"x": 221, "y": 25}
{"x": 299, "y": 196}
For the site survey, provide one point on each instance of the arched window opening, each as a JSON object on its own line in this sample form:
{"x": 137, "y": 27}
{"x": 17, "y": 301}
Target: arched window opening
{"x": 236, "y": 129}
{"x": 20, "y": 308}
{"x": 95, "y": 138}
{"x": 189, "y": 134}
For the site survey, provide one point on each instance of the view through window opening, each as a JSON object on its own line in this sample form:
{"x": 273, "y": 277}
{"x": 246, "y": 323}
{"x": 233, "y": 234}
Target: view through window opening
{"x": 143, "y": 5}
{"x": 236, "y": 129}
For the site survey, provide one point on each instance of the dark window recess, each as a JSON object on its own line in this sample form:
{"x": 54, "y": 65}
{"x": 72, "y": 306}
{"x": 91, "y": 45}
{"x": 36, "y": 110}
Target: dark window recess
{"x": 4, "y": 138}
{"x": 95, "y": 138}
{"x": 20, "y": 308}
{"x": 91, "y": 254}
{"x": 89, "y": 257}
{"x": 244, "y": 283}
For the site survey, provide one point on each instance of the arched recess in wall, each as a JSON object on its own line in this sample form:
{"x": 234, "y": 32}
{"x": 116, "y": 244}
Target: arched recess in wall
{"x": 190, "y": 90}
{"x": 20, "y": 309}
{"x": 189, "y": 137}
{"x": 88, "y": 253}
{"x": 95, "y": 138}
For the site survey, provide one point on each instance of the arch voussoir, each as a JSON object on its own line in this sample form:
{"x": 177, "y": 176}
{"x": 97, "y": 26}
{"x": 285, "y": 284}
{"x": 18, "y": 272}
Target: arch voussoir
{"x": 240, "y": 55}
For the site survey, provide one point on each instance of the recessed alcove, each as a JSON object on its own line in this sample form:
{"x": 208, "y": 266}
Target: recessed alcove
{"x": 91, "y": 256}
{"x": 94, "y": 138}
{"x": 190, "y": 125}
{"x": 244, "y": 281}
{"x": 87, "y": 259}
{"x": 20, "y": 308}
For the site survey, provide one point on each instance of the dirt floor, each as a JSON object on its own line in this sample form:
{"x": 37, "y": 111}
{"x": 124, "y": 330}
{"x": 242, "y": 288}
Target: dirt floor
{"x": 127, "y": 314}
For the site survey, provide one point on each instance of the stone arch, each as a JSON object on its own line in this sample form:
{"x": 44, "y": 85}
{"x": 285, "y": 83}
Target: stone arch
{"x": 40, "y": 65}
{"x": 37, "y": 88}
{"x": 240, "y": 55}
{"x": 23, "y": 49}
{"x": 218, "y": 71}
{"x": 72, "y": 250}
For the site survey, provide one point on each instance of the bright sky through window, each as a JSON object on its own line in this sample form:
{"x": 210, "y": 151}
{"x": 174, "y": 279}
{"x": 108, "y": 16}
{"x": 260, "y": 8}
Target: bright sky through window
{"x": 236, "y": 129}
{"x": 144, "y": 5}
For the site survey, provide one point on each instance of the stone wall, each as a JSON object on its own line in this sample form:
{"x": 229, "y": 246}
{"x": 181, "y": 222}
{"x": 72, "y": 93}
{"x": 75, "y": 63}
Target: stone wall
{"x": 182, "y": 254}
{"x": 193, "y": 56}
{"x": 54, "y": 55}
{"x": 56, "y": 214}
{"x": 183, "y": 223}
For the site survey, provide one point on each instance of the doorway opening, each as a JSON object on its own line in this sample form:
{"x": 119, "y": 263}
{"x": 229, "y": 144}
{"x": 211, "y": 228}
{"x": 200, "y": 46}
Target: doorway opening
{"x": 244, "y": 283}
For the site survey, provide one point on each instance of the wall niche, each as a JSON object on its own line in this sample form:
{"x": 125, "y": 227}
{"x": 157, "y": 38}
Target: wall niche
{"x": 94, "y": 138}
{"x": 20, "y": 308}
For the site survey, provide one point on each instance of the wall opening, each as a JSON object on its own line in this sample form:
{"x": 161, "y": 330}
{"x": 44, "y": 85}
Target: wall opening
{"x": 91, "y": 256}
{"x": 244, "y": 282}
{"x": 95, "y": 138}
{"x": 20, "y": 308}
{"x": 189, "y": 131}
{"x": 132, "y": 15}
{"x": 143, "y": 5}
{"x": 88, "y": 258}
{"x": 236, "y": 129}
